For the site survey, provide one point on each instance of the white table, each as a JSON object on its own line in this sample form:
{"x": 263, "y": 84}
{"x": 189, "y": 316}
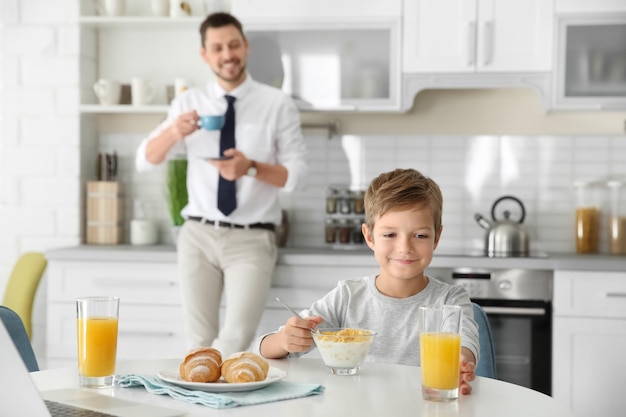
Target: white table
{"x": 378, "y": 390}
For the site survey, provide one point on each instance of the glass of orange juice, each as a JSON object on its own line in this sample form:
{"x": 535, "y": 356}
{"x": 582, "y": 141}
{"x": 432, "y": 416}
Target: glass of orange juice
{"x": 97, "y": 319}
{"x": 440, "y": 351}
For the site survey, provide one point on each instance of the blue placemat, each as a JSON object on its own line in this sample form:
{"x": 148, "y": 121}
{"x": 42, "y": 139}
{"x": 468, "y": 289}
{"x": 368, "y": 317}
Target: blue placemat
{"x": 277, "y": 391}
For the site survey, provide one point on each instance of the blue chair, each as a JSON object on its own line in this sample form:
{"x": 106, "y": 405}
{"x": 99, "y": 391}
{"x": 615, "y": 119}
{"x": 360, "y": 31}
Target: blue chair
{"x": 487, "y": 364}
{"x": 16, "y": 330}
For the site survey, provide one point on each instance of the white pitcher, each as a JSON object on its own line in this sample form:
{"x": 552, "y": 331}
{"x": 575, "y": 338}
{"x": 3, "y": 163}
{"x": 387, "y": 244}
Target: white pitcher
{"x": 109, "y": 92}
{"x": 110, "y": 7}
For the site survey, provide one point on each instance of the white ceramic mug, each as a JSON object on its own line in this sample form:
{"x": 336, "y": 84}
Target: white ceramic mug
{"x": 109, "y": 92}
{"x": 161, "y": 7}
{"x": 180, "y": 86}
{"x": 141, "y": 91}
{"x": 177, "y": 8}
{"x": 143, "y": 232}
{"x": 110, "y": 7}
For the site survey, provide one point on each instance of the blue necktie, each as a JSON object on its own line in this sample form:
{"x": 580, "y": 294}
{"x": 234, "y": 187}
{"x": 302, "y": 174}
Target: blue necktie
{"x": 227, "y": 190}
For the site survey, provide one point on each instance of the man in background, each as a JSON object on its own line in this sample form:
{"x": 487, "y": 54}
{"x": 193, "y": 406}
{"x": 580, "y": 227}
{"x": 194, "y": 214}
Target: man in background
{"x": 227, "y": 243}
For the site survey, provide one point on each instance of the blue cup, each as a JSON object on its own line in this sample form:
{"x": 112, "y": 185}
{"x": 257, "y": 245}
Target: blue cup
{"x": 213, "y": 122}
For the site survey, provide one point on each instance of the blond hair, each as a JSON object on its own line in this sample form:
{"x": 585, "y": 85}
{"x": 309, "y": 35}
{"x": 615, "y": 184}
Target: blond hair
{"x": 402, "y": 189}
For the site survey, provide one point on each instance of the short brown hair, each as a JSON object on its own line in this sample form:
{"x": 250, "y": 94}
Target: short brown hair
{"x": 399, "y": 190}
{"x": 218, "y": 20}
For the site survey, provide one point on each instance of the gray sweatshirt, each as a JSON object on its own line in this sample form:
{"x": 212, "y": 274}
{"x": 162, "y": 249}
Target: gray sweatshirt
{"x": 356, "y": 303}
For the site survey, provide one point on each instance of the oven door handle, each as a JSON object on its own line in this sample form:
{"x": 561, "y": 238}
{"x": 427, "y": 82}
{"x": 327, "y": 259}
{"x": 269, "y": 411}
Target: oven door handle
{"x": 515, "y": 311}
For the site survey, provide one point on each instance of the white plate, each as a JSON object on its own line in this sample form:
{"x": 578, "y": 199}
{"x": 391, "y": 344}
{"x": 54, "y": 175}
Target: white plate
{"x": 173, "y": 377}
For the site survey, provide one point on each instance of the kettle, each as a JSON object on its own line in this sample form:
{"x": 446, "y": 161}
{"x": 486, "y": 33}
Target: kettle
{"x": 505, "y": 237}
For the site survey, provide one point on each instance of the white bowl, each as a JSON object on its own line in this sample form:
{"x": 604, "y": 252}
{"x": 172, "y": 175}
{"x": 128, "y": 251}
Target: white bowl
{"x": 343, "y": 350}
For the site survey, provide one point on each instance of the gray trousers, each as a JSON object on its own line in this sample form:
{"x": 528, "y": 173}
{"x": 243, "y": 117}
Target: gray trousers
{"x": 236, "y": 262}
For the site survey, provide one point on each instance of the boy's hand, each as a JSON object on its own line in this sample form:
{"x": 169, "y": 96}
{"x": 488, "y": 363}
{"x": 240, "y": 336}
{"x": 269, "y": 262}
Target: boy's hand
{"x": 296, "y": 335}
{"x": 467, "y": 372}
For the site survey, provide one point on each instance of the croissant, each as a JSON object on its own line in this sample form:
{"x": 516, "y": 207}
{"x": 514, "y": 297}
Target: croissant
{"x": 244, "y": 367}
{"x": 201, "y": 365}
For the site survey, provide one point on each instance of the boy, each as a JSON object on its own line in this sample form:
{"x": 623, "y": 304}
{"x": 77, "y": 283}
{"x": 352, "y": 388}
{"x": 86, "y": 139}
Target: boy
{"x": 402, "y": 226}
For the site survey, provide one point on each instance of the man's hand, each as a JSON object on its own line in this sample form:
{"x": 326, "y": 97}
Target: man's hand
{"x": 234, "y": 168}
{"x": 184, "y": 125}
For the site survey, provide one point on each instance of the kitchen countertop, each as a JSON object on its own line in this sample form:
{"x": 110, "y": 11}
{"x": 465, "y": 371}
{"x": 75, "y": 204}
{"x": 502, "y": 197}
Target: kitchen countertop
{"x": 362, "y": 258}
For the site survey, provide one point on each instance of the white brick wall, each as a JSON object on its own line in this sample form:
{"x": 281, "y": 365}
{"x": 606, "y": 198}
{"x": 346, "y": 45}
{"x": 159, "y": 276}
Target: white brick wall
{"x": 40, "y": 176}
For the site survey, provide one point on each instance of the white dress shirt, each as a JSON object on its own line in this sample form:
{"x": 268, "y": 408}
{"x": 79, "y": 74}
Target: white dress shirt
{"x": 267, "y": 129}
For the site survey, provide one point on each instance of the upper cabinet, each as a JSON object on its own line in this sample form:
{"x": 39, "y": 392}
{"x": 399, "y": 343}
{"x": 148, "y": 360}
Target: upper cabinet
{"x": 328, "y": 55}
{"x": 591, "y": 63}
{"x": 467, "y": 36}
{"x": 477, "y": 44}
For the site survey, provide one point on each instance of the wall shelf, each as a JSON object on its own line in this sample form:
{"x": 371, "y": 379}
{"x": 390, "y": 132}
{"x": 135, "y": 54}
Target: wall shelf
{"x": 123, "y": 109}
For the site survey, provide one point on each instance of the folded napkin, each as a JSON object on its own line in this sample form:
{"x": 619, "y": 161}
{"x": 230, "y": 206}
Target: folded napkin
{"x": 277, "y": 391}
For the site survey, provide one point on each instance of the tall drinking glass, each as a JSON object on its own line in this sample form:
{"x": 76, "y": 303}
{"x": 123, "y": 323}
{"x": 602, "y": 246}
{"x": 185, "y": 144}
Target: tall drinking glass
{"x": 97, "y": 319}
{"x": 440, "y": 350}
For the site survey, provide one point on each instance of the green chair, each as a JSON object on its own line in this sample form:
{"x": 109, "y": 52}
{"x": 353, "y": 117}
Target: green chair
{"x": 20, "y": 292}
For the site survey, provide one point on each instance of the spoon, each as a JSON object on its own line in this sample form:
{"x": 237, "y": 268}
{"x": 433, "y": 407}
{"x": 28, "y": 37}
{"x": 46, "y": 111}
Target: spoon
{"x": 289, "y": 308}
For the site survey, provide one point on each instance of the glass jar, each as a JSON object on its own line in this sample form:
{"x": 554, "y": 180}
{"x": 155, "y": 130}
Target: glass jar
{"x": 330, "y": 226}
{"x": 588, "y": 215}
{"x": 617, "y": 217}
{"x": 331, "y": 200}
{"x": 345, "y": 231}
{"x": 358, "y": 201}
{"x": 343, "y": 202}
{"x": 357, "y": 233}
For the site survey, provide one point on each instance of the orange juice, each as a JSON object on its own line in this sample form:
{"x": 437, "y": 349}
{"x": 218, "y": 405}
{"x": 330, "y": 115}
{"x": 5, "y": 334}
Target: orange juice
{"x": 440, "y": 356}
{"x": 97, "y": 346}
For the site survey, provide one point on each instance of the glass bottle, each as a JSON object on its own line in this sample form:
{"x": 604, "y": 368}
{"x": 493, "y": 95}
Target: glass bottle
{"x": 588, "y": 214}
{"x": 358, "y": 200}
{"x": 344, "y": 202}
{"x": 357, "y": 233}
{"x": 345, "y": 231}
{"x": 617, "y": 219}
{"x": 330, "y": 230}
{"x": 331, "y": 200}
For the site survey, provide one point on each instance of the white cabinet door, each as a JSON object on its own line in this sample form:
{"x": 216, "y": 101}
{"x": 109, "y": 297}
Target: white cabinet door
{"x": 515, "y": 35}
{"x": 443, "y": 36}
{"x": 439, "y": 35}
{"x": 284, "y": 10}
{"x": 589, "y": 367}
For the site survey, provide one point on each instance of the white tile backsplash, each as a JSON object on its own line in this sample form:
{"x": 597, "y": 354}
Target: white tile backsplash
{"x": 472, "y": 171}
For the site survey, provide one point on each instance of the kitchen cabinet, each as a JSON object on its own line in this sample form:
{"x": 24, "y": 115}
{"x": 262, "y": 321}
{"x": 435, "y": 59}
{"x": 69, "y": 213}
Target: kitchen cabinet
{"x": 477, "y": 44}
{"x": 325, "y": 61}
{"x": 589, "y": 335}
{"x": 280, "y": 11}
{"x": 335, "y": 56}
{"x": 468, "y": 36}
{"x": 591, "y": 63}
{"x": 586, "y": 6}
{"x": 151, "y": 317}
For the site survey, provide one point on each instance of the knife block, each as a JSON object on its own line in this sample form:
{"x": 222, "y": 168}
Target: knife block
{"x": 105, "y": 213}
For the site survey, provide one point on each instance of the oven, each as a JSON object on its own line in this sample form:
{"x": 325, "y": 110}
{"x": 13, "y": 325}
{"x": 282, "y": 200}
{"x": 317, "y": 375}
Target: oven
{"x": 518, "y": 303}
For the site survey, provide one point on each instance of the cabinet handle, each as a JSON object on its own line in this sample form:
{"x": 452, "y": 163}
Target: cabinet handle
{"x": 148, "y": 334}
{"x": 616, "y": 294}
{"x": 489, "y": 46}
{"x": 515, "y": 311}
{"x": 108, "y": 282}
{"x": 471, "y": 46}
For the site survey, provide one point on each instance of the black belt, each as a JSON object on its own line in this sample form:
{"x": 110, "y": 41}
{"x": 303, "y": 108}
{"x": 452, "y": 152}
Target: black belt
{"x": 218, "y": 224}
